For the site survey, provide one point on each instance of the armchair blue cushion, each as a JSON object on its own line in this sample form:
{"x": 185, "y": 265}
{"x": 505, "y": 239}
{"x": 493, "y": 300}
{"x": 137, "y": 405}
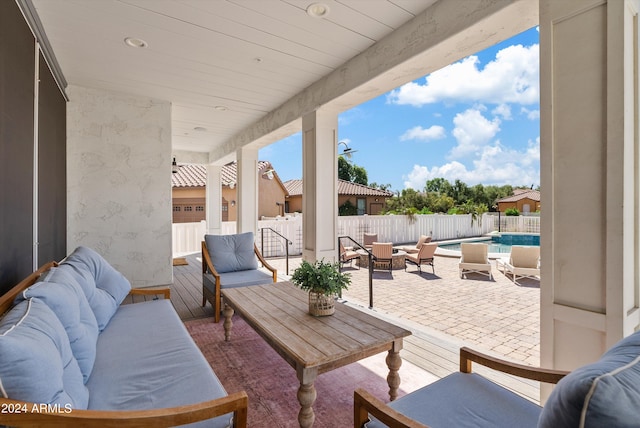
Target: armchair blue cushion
{"x": 604, "y": 393}
{"x": 232, "y": 253}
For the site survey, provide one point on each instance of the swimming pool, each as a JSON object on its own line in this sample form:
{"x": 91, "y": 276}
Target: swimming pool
{"x": 501, "y": 243}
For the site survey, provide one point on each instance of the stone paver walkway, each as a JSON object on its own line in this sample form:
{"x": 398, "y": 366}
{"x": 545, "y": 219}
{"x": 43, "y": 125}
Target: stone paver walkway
{"x": 495, "y": 315}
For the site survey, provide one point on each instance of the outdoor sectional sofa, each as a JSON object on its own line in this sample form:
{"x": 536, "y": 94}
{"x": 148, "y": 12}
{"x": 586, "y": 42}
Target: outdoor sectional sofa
{"x": 71, "y": 355}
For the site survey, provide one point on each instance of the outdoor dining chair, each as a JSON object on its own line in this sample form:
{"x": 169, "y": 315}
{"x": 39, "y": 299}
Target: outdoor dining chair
{"x": 413, "y": 249}
{"x": 383, "y": 253}
{"x": 424, "y": 256}
{"x": 369, "y": 239}
{"x": 346, "y": 256}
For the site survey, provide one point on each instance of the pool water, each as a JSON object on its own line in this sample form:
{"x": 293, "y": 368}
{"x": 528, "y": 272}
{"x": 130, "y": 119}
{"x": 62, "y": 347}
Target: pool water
{"x": 501, "y": 244}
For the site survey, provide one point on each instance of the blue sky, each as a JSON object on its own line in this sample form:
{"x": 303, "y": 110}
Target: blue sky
{"x": 477, "y": 120}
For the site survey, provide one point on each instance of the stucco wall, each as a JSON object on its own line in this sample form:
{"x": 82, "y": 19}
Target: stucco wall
{"x": 119, "y": 181}
{"x": 270, "y": 193}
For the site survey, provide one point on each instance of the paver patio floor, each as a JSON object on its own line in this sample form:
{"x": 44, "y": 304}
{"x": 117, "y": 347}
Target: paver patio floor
{"x": 496, "y": 315}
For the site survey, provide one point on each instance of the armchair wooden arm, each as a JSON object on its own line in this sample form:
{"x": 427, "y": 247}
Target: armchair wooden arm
{"x": 150, "y": 291}
{"x": 207, "y": 267}
{"x": 366, "y": 404}
{"x": 467, "y": 356}
{"x": 29, "y": 414}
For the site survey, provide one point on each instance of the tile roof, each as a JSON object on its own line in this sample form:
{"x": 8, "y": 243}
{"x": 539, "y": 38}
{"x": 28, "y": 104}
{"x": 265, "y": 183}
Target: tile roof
{"x": 520, "y": 194}
{"x": 196, "y": 175}
{"x": 294, "y": 187}
{"x": 189, "y": 176}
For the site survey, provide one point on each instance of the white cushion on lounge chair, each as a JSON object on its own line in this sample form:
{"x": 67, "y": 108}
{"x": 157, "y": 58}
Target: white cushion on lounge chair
{"x": 523, "y": 262}
{"x": 474, "y": 258}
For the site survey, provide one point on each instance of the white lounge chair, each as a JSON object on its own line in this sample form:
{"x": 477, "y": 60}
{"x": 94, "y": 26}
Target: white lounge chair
{"x": 524, "y": 262}
{"x": 475, "y": 258}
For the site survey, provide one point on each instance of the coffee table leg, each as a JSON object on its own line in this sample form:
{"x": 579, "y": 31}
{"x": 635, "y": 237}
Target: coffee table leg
{"x": 228, "y": 313}
{"x": 394, "y": 361}
{"x": 306, "y": 396}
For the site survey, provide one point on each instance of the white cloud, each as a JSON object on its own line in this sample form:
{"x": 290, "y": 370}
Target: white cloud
{"x": 435, "y": 132}
{"x": 472, "y": 131}
{"x": 496, "y": 164}
{"x": 503, "y": 110}
{"x": 531, "y": 114}
{"x": 512, "y": 77}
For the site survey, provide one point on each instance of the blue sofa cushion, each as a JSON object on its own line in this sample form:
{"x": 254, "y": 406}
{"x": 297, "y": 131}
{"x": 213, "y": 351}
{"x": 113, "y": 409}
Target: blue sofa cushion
{"x": 604, "y": 393}
{"x": 465, "y": 400}
{"x": 231, "y": 253}
{"x": 69, "y": 303}
{"x": 36, "y": 362}
{"x": 147, "y": 348}
{"x": 103, "y": 285}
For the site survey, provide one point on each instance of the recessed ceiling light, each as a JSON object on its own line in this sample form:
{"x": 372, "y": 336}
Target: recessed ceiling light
{"x": 221, "y": 108}
{"x": 318, "y": 10}
{"x": 135, "y": 42}
{"x": 200, "y": 128}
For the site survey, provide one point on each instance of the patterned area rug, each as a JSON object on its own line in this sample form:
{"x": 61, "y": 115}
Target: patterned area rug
{"x": 248, "y": 363}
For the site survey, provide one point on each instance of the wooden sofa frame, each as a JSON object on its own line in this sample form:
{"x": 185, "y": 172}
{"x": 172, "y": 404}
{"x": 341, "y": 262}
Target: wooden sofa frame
{"x": 207, "y": 267}
{"x": 33, "y": 415}
{"x": 366, "y": 404}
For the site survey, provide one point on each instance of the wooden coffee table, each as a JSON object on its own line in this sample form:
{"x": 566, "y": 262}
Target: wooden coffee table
{"x": 313, "y": 345}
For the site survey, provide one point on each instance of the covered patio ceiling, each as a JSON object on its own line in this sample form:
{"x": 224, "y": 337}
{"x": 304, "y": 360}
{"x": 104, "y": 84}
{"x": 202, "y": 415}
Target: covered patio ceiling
{"x": 241, "y": 72}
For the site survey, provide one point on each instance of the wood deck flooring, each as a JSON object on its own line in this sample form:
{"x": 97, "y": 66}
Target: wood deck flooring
{"x": 432, "y": 352}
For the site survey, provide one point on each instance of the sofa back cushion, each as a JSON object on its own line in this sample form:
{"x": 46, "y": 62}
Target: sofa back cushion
{"x": 103, "y": 285}
{"x": 232, "y": 253}
{"x": 36, "y": 362}
{"x": 602, "y": 394}
{"x": 69, "y": 303}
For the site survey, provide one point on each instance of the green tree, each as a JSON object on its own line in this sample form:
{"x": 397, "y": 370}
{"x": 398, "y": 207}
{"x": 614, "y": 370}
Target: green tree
{"x": 349, "y": 172}
{"x": 385, "y": 187}
{"x": 360, "y": 175}
{"x": 438, "y": 185}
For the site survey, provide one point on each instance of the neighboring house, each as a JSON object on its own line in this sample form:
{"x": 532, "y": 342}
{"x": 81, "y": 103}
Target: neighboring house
{"x": 367, "y": 200}
{"x": 524, "y": 200}
{"x": 188, "y": 191}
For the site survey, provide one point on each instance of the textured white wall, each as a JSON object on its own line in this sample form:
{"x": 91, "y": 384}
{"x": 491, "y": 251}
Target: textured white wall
{"x": 119, "y": 181}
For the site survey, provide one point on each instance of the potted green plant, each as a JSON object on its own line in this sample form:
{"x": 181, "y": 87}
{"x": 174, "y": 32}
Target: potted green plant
{"x": 324, "y": 281}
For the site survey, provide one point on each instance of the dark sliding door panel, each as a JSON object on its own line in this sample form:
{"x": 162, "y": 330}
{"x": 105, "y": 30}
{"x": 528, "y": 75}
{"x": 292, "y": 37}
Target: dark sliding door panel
{"x": 17, "y": 60}
{"x": 52, "y": 161}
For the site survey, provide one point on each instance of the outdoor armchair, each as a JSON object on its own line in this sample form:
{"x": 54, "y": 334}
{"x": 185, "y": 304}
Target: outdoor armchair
{"x": 523, "y": 262}
{"x": 474, "y": 258}
{"x": 462, "y": 398}
{"x": 412, "y": 249}
{"x": 230, "y": 261}
{"x": 369, "y": 239}
{"x": 424, "y": 256}
{"x": 383, "y": 253}
{"x": 346, "y": 256}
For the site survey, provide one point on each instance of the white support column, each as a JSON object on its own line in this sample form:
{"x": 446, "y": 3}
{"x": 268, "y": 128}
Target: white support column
{"x": 320, "y": 178}
{"x": 247, "y": 201}
{"x": 214, "y": 199}
{"x": 589, "y": 178}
